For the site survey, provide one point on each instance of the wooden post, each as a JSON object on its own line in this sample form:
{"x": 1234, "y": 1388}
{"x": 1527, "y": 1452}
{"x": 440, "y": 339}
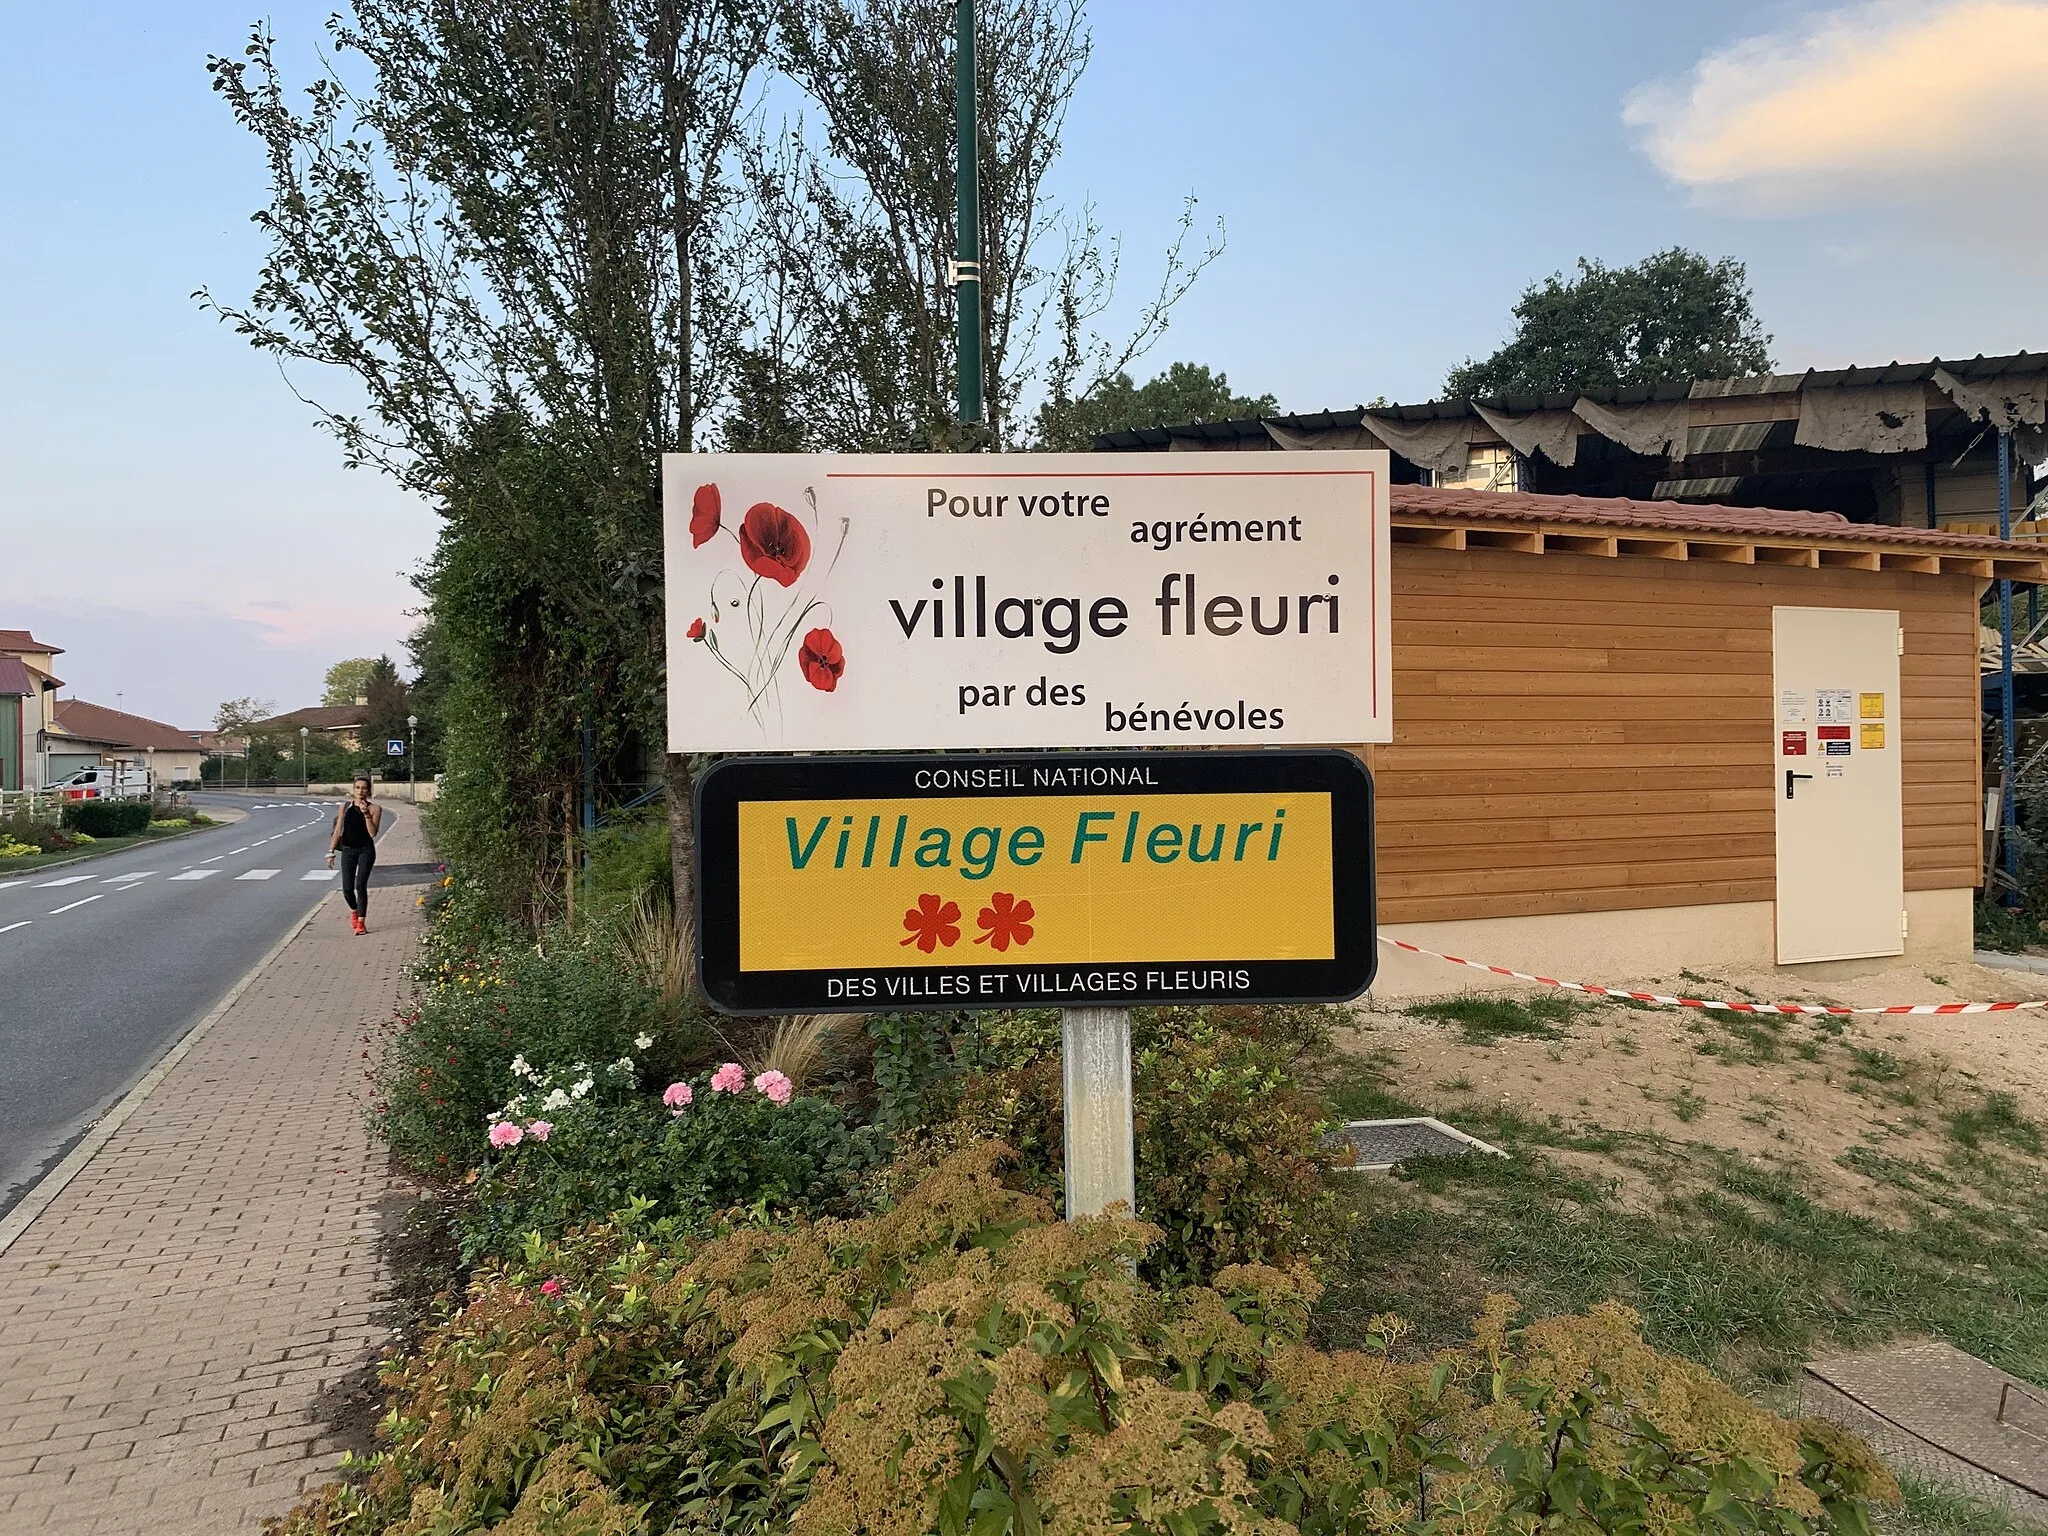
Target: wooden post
{"x": 1095, "y": 1055}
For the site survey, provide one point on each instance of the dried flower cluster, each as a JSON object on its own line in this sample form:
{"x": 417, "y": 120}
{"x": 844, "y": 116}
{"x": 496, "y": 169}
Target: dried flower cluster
{"x": 964, "y": 1364}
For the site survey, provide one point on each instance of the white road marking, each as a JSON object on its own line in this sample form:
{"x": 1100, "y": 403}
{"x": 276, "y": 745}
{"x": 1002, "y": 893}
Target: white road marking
{"x": 8, "y": 885}
{"x": 129, "y": 878}
{"x": 233, "y": 851}
{"x": 214, "y": 860}
{"x": 259, "y": 874}
{"x": 195, "y": 874}
{"x": 320, "y": 874}
{"x": 12, "y": 926}
{"x": 67, "y": 880}
{"x": 101, "y": 897}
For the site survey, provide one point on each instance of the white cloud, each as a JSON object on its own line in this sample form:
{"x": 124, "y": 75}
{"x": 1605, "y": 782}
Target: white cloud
{"x": 1884, "y": 104}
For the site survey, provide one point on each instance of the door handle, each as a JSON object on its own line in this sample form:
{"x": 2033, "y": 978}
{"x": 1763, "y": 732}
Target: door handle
{"x": 1789, "y": 777}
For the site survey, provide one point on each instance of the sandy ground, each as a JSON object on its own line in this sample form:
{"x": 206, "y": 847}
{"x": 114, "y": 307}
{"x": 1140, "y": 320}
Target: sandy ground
{"x": 1788, "y": 1090}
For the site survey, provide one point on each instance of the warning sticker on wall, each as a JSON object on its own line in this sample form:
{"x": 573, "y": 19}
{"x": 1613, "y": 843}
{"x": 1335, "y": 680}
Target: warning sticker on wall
{"x": 1794, "y": 744}
{"x": 1838, "y": 749}
{"x": 1834, "y": 770}
{"x": 1873, "y": 736}
{"x": 1792, "y": 707}
{"x": 1870, "y": 705}
{"x": 1833, "y": 733}
{"x": 1834, "y": 706}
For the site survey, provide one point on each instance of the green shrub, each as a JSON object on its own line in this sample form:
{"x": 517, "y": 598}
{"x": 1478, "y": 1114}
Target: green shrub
{"x": 1230, "y": 1162}
{"x": 721, "y": 1151}
{"x": 964, "y": 1364}
{"x": 483, "y": 998}
{"x": 106, "y": 818}
{"x": 23, "y": 830}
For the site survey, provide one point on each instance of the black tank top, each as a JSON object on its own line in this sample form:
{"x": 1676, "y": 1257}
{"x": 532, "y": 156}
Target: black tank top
{"x": 355, "y": 828}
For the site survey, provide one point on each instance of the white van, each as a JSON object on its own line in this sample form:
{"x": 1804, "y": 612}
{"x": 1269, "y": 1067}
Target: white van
{"x": 129, "y": 782}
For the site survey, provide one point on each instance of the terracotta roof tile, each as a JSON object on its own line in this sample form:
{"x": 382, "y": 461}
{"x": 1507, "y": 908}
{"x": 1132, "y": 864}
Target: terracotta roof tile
{"x": 1685, "y": 517}
{"x": 22, "y": 640}
{"x": 95, "y": 722}
{"x": 321, "y": 717}
{"x": 14, "y": 679}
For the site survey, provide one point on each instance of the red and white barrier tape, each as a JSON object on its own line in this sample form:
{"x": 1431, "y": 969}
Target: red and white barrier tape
{"x": 1694, "y": 1002}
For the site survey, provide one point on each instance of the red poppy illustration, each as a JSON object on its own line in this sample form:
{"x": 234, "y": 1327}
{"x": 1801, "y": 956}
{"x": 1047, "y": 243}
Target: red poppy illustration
{"x": 696, "y": 629}
{"x": 704, "y": 509}
{"x": 774, "y": 544}
{"x": 932, "y": 922}
{"x": 1007, "y": 920}
{"x": 821, "y": 660}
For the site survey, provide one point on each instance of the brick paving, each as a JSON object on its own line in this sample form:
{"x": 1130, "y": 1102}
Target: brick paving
{"x": 169, "y": 1322}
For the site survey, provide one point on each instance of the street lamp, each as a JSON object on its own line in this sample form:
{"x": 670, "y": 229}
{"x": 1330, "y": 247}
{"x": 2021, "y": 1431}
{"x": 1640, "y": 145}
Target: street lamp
{"x": 412, "y": 762}
{"x": 305, "y": 763}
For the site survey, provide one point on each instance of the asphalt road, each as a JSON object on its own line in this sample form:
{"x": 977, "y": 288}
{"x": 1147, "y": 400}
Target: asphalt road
{"x": 104, "y": 965}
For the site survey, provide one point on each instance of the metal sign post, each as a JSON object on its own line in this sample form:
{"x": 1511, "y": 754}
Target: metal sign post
{"x": 1095, "y": 1060}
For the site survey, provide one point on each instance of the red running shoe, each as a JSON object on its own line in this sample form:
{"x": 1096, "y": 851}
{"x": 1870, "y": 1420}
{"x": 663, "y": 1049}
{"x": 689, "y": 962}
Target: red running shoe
{"x": 355, "y": 921}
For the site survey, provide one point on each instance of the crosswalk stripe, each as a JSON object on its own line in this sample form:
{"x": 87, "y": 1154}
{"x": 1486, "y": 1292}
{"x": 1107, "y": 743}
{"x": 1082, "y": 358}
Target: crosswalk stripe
{"x": 195, "y": 874}
{"x": 67, "y": 880}
{"x": 320, "y": 874}
{"x": 129, "y": 878}
{"x": 258, "y": 874}
{"x": 8, "y": 885}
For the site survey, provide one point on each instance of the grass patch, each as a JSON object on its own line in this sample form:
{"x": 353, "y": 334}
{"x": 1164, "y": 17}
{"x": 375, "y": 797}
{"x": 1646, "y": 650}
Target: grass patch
{"x": 1735, "y": 1264}
{"x": 1934, "y": 1509}
{"x": 1996, "y": 1117}
{"x": 1485, "y": 1020}
{"x": 36, "y": 863}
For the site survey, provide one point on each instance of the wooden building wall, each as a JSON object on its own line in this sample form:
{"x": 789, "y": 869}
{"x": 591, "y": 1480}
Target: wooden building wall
{"x": 1583, "y": 734}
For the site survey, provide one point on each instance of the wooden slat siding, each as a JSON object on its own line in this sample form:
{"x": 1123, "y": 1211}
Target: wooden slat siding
{"x": 1575, "y": 733}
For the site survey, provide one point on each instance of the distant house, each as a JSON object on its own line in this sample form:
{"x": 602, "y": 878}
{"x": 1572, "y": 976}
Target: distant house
{"x": 341, "y": 725}
{"x": 86, "y": 735}
{"x": 28, "y": 694}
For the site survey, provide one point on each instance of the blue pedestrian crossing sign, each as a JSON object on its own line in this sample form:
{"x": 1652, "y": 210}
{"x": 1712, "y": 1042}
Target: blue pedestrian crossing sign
{"x": 394, "y": 749}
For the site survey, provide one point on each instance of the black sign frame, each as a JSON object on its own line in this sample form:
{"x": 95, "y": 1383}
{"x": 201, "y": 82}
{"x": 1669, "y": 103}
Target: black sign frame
{"x": 722, "y": 788}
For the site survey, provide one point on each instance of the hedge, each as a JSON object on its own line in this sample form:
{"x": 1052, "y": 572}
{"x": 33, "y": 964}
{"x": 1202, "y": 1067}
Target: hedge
{"x": 107, "y": 818}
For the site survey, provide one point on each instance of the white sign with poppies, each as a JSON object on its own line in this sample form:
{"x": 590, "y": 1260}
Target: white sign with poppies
{"x": 848, "y": 602}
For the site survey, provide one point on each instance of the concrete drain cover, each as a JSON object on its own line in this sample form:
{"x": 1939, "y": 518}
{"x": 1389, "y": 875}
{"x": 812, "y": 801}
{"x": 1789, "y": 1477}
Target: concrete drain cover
{"x": 1943, "y": 1414}
{"x": 1379, "y": 1144}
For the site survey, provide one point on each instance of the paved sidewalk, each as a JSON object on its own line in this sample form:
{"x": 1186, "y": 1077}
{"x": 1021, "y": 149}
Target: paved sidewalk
{"x": 169, "y": 1321}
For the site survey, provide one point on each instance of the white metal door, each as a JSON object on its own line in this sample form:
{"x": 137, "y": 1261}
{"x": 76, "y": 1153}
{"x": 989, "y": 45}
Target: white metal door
{"x": 1841, "y": 858}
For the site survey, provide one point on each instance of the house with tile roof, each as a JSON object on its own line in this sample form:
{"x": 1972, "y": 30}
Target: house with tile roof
{"x": 88, "y": 735}
{"x": 28, "y": 694}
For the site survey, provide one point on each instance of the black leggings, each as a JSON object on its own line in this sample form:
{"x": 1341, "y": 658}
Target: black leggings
{"x": 356, "y": 864}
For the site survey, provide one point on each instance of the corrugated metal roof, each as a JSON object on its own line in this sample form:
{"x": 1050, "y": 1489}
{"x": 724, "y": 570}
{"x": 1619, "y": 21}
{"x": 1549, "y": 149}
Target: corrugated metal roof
{"x": 14, "y": 679}
{"x": 1978, "y": 367}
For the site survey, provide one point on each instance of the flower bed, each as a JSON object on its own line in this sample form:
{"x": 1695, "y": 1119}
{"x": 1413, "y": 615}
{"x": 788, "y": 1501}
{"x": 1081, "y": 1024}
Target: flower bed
{"x": 966, "y": 1363}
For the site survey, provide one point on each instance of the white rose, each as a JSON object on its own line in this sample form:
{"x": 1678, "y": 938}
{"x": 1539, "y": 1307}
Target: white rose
{"x": 642, "y": 1042}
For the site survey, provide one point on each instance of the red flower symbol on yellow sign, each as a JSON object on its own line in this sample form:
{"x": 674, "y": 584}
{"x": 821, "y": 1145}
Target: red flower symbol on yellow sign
{"x": 932, "y": 922}
{"x": 1007, "y": 920}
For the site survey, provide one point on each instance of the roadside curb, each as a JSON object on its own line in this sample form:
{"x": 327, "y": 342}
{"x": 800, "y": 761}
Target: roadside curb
{"x": 38, "y": 1199}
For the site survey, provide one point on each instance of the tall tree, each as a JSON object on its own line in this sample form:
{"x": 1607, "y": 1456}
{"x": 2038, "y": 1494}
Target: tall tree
{"x": 1184, "y": 392}
{"x": 347, "y": 681}
{"x": 855, "y": 319}
{"x": 1674, "y": 315}
{"x": 390, "y": 703}
{"x": 510, "y": 220}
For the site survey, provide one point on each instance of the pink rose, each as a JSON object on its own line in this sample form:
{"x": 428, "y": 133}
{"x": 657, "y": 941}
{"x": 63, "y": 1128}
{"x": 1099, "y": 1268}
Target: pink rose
{"x": 676, "y": 1096}
{"x": 541, "y": 1130}
{"x": 777, "y": 1087}
{"x": 730, "y": 1078}
{"x": 506, "y": 1134}
{"x": 551, "y": 1288}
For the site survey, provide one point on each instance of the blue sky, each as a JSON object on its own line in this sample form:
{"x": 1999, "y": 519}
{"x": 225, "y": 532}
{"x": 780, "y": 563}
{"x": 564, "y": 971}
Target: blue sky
{"x": 1391, "y": 176}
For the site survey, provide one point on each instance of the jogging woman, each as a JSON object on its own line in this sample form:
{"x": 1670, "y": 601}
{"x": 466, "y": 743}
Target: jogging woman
{"x": 355, "y": 839}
